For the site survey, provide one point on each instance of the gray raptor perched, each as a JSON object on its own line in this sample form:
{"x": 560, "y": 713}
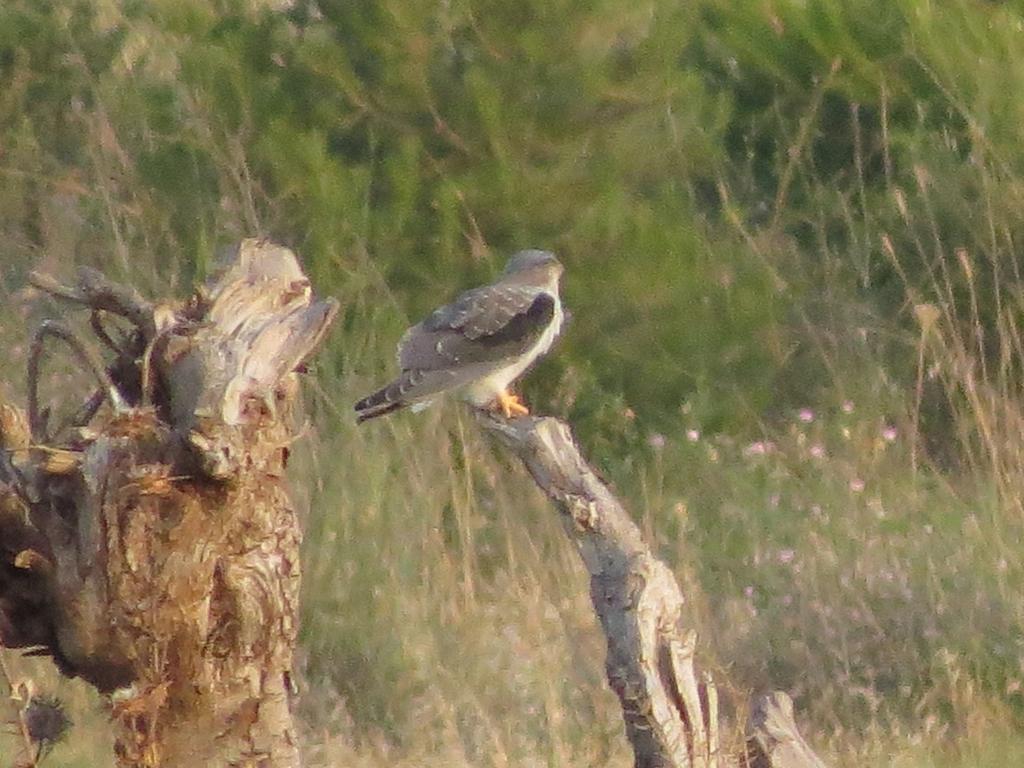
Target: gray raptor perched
{"x": 480, "y": 343}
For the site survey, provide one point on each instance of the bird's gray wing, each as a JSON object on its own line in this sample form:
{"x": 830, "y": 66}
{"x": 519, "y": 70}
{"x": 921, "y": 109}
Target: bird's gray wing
{"x": 492, "y": 324}
{"x": 485, "y": 310}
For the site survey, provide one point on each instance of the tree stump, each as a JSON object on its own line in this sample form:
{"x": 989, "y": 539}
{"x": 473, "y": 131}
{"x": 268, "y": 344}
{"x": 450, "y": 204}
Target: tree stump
{"x": 670, "y": 710}
{"x": 150, "y": 546}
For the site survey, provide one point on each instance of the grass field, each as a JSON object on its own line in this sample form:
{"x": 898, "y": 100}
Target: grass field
{"x": 791, "y": 235}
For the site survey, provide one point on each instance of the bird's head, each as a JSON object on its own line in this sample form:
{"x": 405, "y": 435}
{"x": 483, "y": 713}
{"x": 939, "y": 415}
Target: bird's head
{"x": 534, "y": 261}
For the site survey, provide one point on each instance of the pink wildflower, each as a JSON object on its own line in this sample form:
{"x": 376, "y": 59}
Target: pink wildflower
{"x": 756, "y": 449}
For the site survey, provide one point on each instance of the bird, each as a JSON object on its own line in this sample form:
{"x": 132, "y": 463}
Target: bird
{"x": 480, "y": 343}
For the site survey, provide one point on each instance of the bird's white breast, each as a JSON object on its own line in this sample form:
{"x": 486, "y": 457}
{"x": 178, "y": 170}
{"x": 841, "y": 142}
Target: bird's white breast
{"x": 485, "y": 390}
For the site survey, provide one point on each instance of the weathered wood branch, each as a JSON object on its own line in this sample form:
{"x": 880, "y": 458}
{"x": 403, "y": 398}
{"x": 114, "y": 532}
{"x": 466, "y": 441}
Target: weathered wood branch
{"x": 95, "y": 291}
{"x": 670, "y": 710}
{"x": 774, "y": 738}
{"x": 92, "y": 362}
{"x": 154, "y": 552}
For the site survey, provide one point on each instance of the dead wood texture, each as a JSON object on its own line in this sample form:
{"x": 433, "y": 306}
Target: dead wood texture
{"x": 149, "y": 544}
{"x": 670, "y": 711}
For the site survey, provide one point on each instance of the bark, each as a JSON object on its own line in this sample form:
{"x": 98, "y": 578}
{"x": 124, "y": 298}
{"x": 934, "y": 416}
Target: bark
{"x": 670, "y": 709}
{"x": 149, "y": 546}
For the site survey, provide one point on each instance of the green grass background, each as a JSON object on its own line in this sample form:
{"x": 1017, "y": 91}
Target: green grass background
{"x": 791, "y": 233}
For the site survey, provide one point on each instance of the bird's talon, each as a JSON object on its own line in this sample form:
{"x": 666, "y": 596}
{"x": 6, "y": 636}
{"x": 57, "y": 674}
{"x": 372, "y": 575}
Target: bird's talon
{"x": 510, "y": 405}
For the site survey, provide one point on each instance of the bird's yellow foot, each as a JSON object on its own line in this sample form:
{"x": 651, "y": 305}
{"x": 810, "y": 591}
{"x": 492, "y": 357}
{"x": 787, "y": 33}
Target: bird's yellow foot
{"x": 510, "y": 405}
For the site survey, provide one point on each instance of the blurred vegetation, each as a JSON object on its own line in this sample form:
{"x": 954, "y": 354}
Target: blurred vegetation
{"x": 790, "y": 230}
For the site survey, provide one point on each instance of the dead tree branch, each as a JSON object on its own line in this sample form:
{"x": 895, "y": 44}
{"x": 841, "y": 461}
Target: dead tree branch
{"x": 95, "y": 291}
{"x": 88, "y": 357}
{"x": 670, "y": 711}
{"x": 155, "y": 553}
{"x": 774, "y": 738}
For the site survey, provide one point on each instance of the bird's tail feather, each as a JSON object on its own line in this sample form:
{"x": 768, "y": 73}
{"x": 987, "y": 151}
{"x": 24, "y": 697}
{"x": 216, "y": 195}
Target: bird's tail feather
{"x": 389, "y": 398}
{"x": 371, "y": 413}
